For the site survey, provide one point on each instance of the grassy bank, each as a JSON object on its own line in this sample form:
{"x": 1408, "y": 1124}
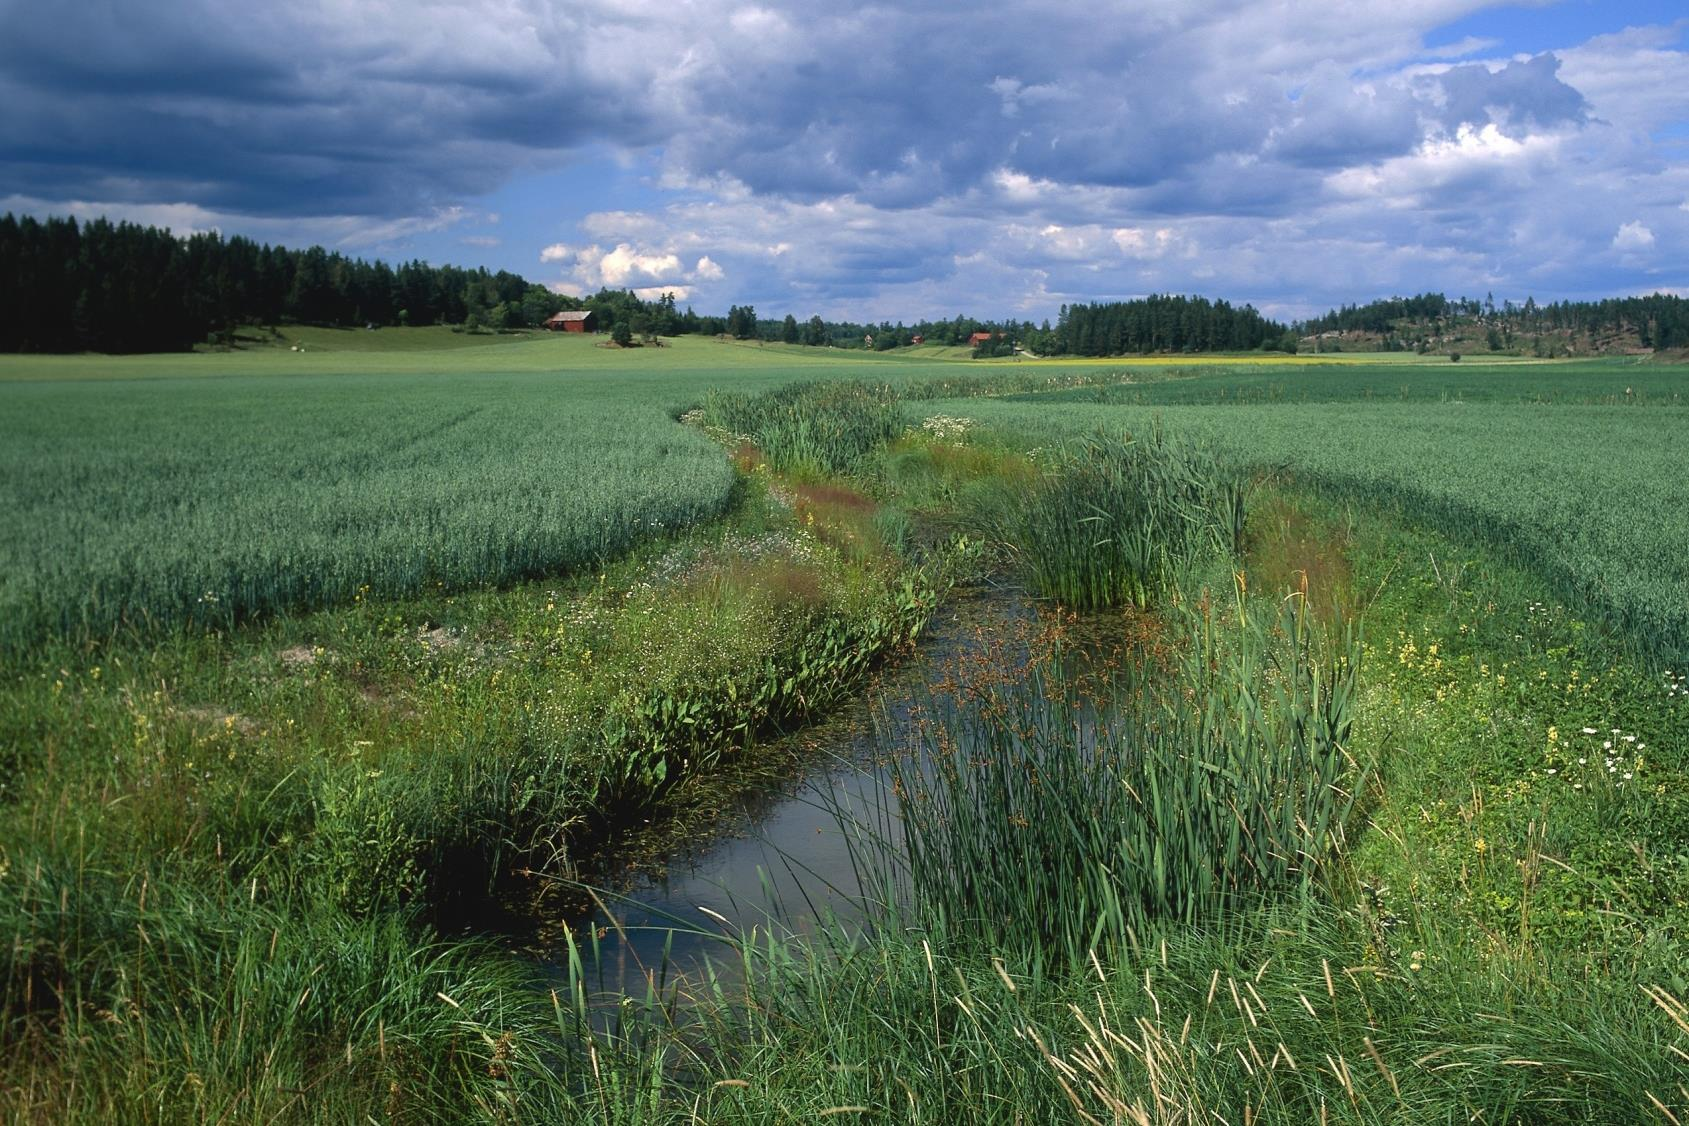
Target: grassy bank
{"x": 1426, "y": 871}
{"x": 1494, "y": 935}
{"x": 228, "y": 852}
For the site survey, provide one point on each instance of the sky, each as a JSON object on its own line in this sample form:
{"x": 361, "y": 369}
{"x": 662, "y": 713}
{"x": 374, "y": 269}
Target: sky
{"x": 903, "y": 161}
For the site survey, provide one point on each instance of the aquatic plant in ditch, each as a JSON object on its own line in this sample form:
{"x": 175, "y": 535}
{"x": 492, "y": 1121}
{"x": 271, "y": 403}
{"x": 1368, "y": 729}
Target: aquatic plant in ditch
{"x": 1114, "y": 520}
{"x": 814, "y": 428}
{"x": 1047, "y": 821}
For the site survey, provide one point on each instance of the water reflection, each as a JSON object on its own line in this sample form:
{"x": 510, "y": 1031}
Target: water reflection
{"x": 785, "y": 864}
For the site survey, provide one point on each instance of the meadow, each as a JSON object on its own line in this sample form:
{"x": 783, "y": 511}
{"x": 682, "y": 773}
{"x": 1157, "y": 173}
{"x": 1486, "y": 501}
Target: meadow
{"x": 155, "y": 490}
{"x": 483, "y": 616}
{"x": 1587, "y": 495}
{"x": 149, "y": 491}
{"x": 1358, "y": 379}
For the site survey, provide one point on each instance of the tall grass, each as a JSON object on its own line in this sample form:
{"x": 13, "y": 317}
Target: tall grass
{"x": 1286, "y": 1016}
{"x": 1114, "y": 520}
{"x": 146, "y": 997}
{"x": 1047, "y": 822}
{"x": 816, "y": 428}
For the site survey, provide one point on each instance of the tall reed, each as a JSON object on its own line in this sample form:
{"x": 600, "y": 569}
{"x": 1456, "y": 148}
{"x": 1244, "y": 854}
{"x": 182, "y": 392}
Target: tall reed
{"x": 811, "y": 427}
{"x": 1045, "y": 823}
{"x": 1115, "y": 520}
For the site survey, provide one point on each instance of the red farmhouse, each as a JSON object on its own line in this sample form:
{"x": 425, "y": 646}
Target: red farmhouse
{"x": 570, "y": 322}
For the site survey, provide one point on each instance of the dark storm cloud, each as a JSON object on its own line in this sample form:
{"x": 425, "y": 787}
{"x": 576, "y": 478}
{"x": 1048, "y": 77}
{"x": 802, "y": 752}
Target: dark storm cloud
{"x": 356, "y": 109}
{"x": 1025, "y": 151}
{"x": 344, "y": 108}
{"x": 1517, "y": 97}
{"x": 271, "y": 112}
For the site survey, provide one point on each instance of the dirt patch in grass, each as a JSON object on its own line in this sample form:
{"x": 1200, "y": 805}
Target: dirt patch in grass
{"x": 213, "y": 716}
{"x": 746, "y": 458}
{"x": 1289, "y": 551}
{"x": 826, "y": 495}
{"x": 298, "y": 656}
{"x": 439, "y": 638}
{"x": 838, "y": 515}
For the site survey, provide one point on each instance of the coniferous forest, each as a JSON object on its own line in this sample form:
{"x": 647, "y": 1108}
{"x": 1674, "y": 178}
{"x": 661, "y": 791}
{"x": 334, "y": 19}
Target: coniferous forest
{"x": 1659, "y": 320}
{"x": 101, "y": 286}
{"x": 122, "y": 287}
{"x": 1165, "y": 324}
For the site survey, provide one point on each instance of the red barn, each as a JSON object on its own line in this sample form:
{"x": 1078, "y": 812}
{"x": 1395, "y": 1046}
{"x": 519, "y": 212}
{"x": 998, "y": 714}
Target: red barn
{"x": 979, "y": 338}
{"x": 571, "y": 322}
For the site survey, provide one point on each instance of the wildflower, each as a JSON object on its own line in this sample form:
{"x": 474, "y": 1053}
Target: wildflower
{"x": 1589, "y": 731}
{"x": 1479, "y": 845}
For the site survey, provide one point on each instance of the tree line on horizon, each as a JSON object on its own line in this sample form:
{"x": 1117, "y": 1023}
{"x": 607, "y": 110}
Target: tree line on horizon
{"x": 1158, "y": 323}
{"x": 1659, "y": 320}
{"x": 99, "y": 286}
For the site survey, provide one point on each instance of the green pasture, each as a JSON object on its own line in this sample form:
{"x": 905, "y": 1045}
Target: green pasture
{"x": 1590, "y": 497}
{"x": 206, "y": 487}
{"x": 1607, "y": 383}
{"x": 239, "y": 863}
{"x": 343, "y": 351}
{"x": 313, "y": 338}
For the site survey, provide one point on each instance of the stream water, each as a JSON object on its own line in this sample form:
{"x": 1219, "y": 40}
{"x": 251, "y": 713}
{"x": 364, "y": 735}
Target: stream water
{"x": 782, "y": 863}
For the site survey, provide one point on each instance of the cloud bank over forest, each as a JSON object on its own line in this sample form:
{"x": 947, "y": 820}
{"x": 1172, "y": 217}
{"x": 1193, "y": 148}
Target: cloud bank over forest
{"x": 882, "y": 161}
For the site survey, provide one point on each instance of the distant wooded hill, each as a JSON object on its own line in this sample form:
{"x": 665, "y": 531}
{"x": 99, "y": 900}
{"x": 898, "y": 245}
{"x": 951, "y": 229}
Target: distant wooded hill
{"x": 1434, "y": 321}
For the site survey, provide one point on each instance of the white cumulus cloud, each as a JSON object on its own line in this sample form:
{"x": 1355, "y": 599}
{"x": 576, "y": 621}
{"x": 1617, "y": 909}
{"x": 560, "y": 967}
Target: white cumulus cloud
{"x": 1633, "y": 237}
{"x": 624, "y": 264}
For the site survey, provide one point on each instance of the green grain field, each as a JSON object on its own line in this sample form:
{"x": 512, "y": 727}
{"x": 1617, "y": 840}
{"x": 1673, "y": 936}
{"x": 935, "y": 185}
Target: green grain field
{"x": 1424, "y": 869}
{"x": 1574, "y": 471}
{"x": 152, "y": 490}
{"x": 158, "y": 489}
